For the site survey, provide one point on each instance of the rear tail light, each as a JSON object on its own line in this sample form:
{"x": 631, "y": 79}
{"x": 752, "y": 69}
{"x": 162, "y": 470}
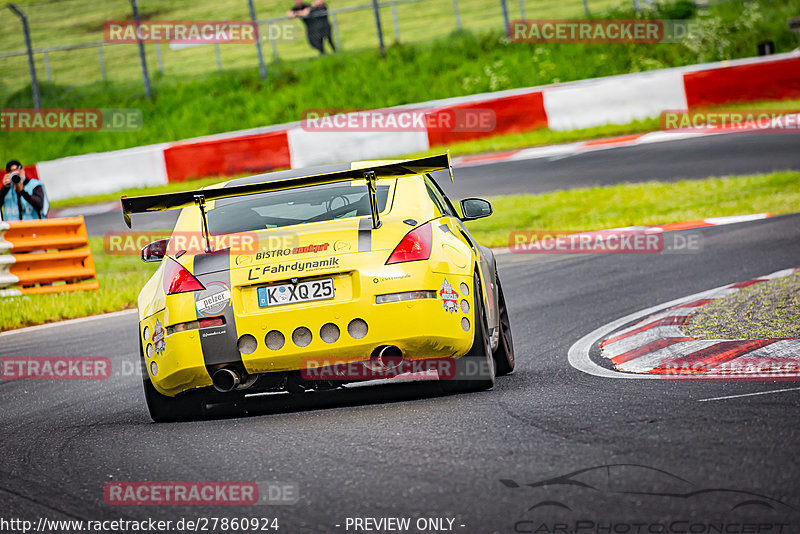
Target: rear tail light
{"x": 205, "y": 323}
{"x": 194, "y": 325}
{"x": 405, "y": 295}
{"x": 416, "y": 245}
{"x": 178, "y": 279}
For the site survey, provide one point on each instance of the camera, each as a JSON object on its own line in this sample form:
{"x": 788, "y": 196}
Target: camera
{"x": 16, "y": 178}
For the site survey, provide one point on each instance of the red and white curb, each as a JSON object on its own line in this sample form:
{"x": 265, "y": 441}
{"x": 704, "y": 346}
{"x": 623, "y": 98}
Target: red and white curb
{"x": 654, "y": 347}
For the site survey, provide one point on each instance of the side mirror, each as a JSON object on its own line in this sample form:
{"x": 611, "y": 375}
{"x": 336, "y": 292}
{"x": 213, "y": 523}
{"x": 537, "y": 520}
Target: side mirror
{"x": 475, "y": 208}
{"x": 155, "y": 251}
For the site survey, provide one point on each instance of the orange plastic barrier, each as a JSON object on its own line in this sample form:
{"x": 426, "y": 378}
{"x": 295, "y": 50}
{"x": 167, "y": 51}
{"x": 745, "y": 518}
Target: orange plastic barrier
{"x": 46, "y": 256}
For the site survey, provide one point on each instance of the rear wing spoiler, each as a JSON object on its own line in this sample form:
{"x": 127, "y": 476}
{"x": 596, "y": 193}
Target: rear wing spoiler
{"x": 182, "y": 199}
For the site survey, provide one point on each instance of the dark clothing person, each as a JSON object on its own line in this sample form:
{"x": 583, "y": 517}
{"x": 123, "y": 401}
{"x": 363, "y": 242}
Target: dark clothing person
{"x": 35, "y": 199}
{"x": 318, "y": 27}
{"x": 22, "y": 198}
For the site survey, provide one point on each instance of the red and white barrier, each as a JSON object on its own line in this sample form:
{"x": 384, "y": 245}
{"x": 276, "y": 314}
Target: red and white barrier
{"x": 566, "y": 106}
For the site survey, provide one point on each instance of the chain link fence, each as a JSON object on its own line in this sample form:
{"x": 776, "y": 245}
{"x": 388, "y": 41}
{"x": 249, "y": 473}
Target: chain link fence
{"x": 69, "y": 46}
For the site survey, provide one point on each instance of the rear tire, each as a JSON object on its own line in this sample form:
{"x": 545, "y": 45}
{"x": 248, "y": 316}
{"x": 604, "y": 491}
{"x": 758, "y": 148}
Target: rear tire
{"x": 163, "y": 409}
{"x": 504, "y": 355}
{"x": 475, "y": 371}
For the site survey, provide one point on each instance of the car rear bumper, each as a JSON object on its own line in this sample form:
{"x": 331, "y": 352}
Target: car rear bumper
{"x": 420, "y": 328}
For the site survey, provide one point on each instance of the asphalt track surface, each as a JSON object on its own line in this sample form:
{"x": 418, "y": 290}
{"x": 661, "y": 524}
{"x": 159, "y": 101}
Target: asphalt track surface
{"x": 714, "y": 155}
{"x": 404, "y": 450}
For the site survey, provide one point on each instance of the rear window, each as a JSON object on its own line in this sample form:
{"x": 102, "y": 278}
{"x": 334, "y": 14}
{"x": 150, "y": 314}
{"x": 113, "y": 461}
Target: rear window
{"x": 296, "y": 206}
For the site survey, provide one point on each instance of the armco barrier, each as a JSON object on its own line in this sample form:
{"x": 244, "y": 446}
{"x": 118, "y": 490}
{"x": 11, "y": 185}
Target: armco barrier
{"x": 45, "y": 256}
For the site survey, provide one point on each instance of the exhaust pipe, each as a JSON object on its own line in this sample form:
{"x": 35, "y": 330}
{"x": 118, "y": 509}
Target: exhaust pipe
{"x": 226, "y": 380}
{"x": 387, "y": 356}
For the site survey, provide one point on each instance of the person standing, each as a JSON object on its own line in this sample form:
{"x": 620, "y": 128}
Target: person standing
{"x": 315, "y": 17}
{"x": 22, "y": 198}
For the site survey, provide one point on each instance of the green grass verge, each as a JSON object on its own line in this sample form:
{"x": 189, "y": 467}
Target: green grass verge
{"x": 121, "y": 277}
{"x": 459, "y": 64}
{"x": 647, "y": 203}
{"x": 762, "y": 311}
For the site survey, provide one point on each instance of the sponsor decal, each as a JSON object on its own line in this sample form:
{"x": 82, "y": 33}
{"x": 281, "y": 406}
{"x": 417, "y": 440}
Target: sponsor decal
{"x": 159, "y": 343}
{"x": 387, "y": 277}
{"x": 289, "y": 251}
{"x": 273, "y": 253}
{"x": 449, "y": 297}
{"x": 311, "y": 248}
{"x": 215, "y": 333}
{"x": 213, "y": 300}
{"x": 299, "y": 266}
{"x": 341, "y": 246}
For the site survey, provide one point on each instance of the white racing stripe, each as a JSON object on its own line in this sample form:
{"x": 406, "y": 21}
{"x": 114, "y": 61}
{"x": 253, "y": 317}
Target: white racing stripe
{"x": 749, "y": 394}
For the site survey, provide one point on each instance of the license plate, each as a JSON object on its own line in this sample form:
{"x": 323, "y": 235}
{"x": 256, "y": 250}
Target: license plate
{"x": 292, "y": 293}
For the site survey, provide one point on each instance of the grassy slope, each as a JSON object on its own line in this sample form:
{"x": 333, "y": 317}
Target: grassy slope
{"x": 121, "y": 277}
{"x": 765, "y": 310}
{"x": 79, "y": 21}
{"x": 460, "y": 64}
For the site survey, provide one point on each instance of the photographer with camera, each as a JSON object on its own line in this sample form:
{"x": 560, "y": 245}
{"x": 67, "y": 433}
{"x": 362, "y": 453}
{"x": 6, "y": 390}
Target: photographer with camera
{"x": 22, "y": 198}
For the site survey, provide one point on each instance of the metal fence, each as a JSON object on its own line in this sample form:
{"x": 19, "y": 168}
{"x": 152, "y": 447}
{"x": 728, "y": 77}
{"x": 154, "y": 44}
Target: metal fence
{"x": 69, "y": 48}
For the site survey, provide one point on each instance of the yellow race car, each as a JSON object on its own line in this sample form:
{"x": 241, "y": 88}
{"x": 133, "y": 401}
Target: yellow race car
{"x": 315, "y": 278}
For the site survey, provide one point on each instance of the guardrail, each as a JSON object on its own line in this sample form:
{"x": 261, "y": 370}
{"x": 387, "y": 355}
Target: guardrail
{"x": 45, "y": 256}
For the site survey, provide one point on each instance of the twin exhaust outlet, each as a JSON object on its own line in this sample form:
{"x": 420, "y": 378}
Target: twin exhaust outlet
{"x": 227, "y": 379}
